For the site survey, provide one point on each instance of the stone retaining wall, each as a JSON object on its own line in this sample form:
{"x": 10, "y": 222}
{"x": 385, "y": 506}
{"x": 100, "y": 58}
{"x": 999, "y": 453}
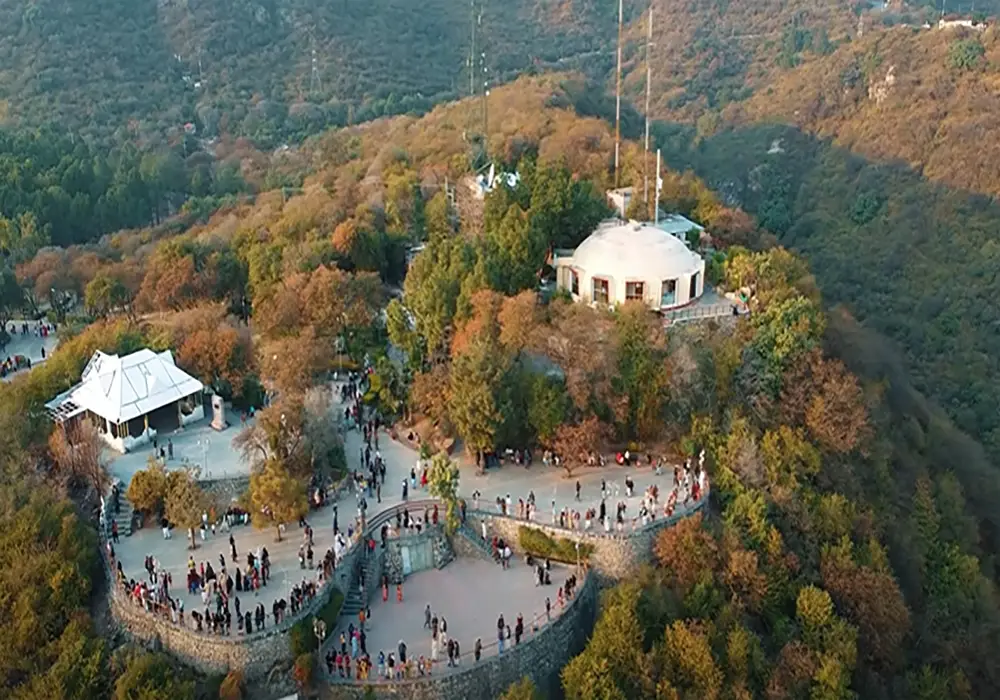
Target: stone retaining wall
{"x": 254, "y": 655}
{"x": 540, "y": 657}
{"x": 616, "y": 555}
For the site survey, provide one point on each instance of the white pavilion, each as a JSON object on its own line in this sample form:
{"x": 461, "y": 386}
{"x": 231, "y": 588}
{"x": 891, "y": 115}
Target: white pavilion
{"x": 133, "y": 398}
{"x": 624, "y": 261}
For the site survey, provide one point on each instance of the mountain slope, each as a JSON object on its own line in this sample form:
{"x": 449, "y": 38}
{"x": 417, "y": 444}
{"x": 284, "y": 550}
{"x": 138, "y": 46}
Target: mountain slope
{"x": 706, "y": 55}
{"x": 120, "y": 64}
{"x": 901, "y": 95}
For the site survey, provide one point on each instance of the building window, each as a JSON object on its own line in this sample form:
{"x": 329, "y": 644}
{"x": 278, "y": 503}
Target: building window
{"x": 694, "y": 286}
{"x": 668, "y": 295}
{"x": 574, "y": 283}
{"x": 600, "y": 291}
{"x": 634, "y": 290}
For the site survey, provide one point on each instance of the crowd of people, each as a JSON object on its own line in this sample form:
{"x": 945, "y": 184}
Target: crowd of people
{"x": 40, "y": 329}
{"x": 218, "y": 587}
{"x": 689, "y": 486}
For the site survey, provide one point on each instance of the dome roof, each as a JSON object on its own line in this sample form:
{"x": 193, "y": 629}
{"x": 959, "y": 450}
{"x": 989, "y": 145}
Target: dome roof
{"x": 625, "y": 250}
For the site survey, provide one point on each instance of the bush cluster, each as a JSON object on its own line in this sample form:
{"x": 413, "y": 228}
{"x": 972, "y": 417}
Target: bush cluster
{"x": 301, "y": 638}
{"x": 538, "y": 544}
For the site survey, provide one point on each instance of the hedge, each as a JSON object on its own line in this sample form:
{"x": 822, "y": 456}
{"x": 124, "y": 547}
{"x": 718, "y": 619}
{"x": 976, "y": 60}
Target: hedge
{"x": 538, "y": 544}
{"x": 301, "y": 638}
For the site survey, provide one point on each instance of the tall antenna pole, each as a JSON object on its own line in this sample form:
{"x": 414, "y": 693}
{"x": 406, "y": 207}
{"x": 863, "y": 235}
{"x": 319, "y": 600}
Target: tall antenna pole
{"x": 618, "y": 92}
{"x": 656, "y": 208}
{"x": 486, "y": 96}
{"x": 314, "y": 83}
{"x": 645, "y": 153}
{"x": 472, "y": 52}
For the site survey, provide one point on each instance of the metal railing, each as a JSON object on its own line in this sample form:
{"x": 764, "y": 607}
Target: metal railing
{"x": 533, "y": 627}
{"x": 697, "y": 313}
{"x": 633, "y": 526}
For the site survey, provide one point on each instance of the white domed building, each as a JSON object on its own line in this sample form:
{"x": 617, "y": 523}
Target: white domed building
{"x": 624, "y": 261}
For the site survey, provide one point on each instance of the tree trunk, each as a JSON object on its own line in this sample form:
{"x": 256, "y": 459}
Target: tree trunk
{"x": 278, "y": 532}
{"x": 194, "y": 545}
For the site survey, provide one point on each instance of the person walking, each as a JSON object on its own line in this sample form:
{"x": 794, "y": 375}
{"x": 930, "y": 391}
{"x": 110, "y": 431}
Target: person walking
{"x": 232, "y": 547}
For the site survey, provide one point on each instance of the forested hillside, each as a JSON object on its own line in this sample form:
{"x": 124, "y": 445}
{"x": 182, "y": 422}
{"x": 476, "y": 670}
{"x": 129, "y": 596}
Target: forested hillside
{"x": 144, "y": 68}
{"x": 910, "y": 258}
{"x": 927, "y": 98}
{"x": 846, "y": 559}
{"x": 706, "y": 55}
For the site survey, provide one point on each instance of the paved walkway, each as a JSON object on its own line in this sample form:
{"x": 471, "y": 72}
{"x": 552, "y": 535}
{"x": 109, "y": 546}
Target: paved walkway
{"x": 29, "y": 345}
{"x": 470, "y": 594}
{"x": 547, "y": 482}
{"x": 196, "y": 444}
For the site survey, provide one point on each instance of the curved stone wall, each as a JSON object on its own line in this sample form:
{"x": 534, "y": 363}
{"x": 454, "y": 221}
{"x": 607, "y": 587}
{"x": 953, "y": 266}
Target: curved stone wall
{"x": 616, "y": 555}
{"x": 540, "y": 657}
{"x": 253, "y": 654}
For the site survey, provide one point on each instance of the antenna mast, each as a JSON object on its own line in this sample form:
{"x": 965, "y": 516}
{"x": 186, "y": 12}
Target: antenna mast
{"x": 472, "y": 49}
{"x": 314, "y": 82}
{"x": 486, "y": 95}
{"x": 645, "y": 153}
{"x": 618, "y": 92}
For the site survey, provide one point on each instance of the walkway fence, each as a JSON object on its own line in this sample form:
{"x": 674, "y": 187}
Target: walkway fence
{"x": 697, "y": 313}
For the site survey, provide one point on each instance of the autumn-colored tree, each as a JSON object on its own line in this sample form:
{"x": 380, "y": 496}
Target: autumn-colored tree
{"x": 519, "y": 321}
{"x": 686, "y": 552}
{"x": 185, "y": 503}
{"x": 871, "y": 600}
{"x": 429, "y": 393}
{"x": 171, "y": 282}
{"x": 105, "y": 294}
{"x": 688, "y": 665}
{"x": 746, "y": 583}
{"x": 148, "y": 488}
{"x": 48, "y": 276}
{"x": 581, "y": 341}
{"x": 575, "y": 443}
{"x": 151, "y": 676}
{"x": 290, "y": 365}
{"x": 788, "y": 457}
{"x": 77, "y": 450}
{"x": 613, "y": 666}
{"x": 442, "y": 482}
{"x": 482, "y": 326}
{"x": 220, "y": 355}
{"x": 232, "y": 686}
{"x": 278, "y": 496}
{"x": 827, "y": 399}
{"x": 523, "y": 689}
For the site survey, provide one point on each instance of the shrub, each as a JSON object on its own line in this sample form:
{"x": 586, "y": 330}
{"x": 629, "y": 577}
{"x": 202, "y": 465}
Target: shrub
{"x": 965, "y": 54}
{"x": 148, "y": 488}
{"x": 232, "y": 686}
{"x": 538, "y": 544}
{"x": 304, "y": 669}
{"x": 301, "y": 639}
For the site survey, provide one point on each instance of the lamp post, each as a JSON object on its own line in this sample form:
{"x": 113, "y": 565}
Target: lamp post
{"x": 204, "y": 456}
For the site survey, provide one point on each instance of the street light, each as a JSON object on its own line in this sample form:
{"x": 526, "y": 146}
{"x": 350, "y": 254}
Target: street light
{"x": 204, "y": 456}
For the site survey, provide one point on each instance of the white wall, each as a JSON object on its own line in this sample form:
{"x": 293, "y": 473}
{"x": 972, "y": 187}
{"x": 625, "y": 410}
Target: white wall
{"x": 616, "y": 287}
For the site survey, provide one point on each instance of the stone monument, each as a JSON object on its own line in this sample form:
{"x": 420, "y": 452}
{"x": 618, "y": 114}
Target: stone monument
{"x": 219, "y": 413}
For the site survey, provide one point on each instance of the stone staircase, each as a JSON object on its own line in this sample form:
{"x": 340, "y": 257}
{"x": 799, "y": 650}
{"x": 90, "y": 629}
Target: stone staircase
{"x": 123, "y": 518}
{"x": 475, "y": 539}
{"x": 370, "y": 572}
